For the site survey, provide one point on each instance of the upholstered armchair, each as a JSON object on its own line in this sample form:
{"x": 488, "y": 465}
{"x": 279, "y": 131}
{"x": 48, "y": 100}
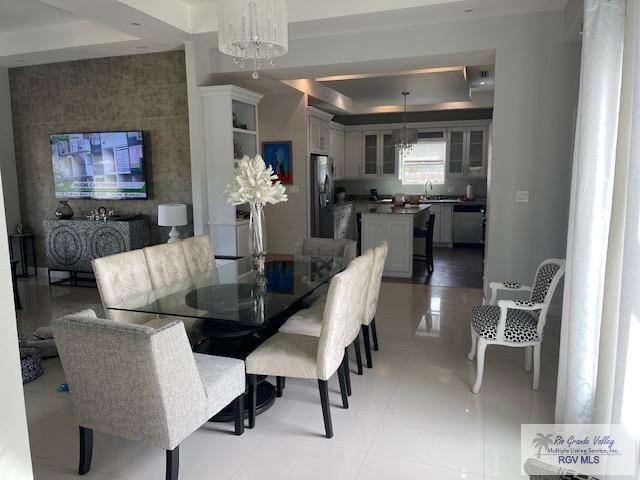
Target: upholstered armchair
{"x": 143, "y": 384}
{"x": 515, "y": 323}
{"x": 303, "y": 356}
{"x": 198, "y": 254}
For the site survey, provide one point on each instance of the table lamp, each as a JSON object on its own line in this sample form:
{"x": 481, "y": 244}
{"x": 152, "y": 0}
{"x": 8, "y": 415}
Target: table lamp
{"x": 172, "y": 215}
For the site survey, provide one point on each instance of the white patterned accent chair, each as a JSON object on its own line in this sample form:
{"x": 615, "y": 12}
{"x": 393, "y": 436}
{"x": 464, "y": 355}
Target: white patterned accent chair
{"x": 304, "y": 356}
{"x": 143, "y": 384}
{"x": 515, "y": 323}
{"x": 198, "y": 254}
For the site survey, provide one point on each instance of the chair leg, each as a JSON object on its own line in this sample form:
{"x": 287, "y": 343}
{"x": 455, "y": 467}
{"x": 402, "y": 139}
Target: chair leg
{"x": 482, "y": 346}
{"x": 536, "y": 366}
{"x": 474, "y": 344}
{"x": 347, "y": 372}
{"x": 356, "y": 343}
{"x": 343, "y": 386}
{"x": 367, "y": 345}
{"x": 323, "y": 386}
{"x": 86, "y": 450}
{"x": 173, "y": 463}
{"x": 253, "y": 393}
{"x": 528, "y": 351}
{"x": 279, "y": 386}
{"x": 238, "y": 414}
{"x": 374, "y": 334}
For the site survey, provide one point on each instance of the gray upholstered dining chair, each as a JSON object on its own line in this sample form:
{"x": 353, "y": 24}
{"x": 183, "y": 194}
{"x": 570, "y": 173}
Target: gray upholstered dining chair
{"x": 198, "y": 254}
{"x": 309, "y": 321}
{"x": 328, "y": 247}
{"x": 122, "y": 277}
{"x": 143, "y": 384}
{"x": 303, "y": 356}
{"x": 515, "y": 323}
{"x": 167, "y": 264}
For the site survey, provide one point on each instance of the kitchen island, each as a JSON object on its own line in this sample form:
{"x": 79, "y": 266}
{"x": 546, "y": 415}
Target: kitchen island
{"x": 395, "y": 225}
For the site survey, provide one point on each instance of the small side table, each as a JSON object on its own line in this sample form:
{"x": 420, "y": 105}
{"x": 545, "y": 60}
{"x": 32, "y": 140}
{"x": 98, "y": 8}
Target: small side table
{"x": 22, "y": 239}
{"x": 14, "y": 280}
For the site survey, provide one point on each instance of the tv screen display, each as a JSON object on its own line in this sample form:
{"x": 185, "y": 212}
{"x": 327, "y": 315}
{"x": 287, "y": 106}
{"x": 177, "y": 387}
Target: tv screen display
{"x": 101, "y": 165}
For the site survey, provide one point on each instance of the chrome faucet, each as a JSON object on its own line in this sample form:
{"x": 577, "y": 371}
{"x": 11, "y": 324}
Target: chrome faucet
{"x": 427, "y": 186}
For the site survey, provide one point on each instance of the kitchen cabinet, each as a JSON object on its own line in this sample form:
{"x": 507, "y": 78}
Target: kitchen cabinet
{"x": 467, "y": 152}
{"x": 389, "y": 157}
{"x": 318, "y": 130}
{"x": 336, "y": 152}
{"x": 352, "y": 154}
{"x": 443, "y": 224}
{"x": 379, "y": 158}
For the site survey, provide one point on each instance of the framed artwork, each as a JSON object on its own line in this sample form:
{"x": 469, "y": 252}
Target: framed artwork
{"x": 278, "y": 155}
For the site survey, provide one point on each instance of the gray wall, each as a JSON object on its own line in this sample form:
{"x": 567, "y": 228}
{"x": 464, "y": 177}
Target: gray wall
{"x": 138, "y": 92}
{"x": 284, "y": 117}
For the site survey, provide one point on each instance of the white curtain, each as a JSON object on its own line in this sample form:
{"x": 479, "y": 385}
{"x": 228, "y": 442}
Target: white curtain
{"x": 590, "y": 217}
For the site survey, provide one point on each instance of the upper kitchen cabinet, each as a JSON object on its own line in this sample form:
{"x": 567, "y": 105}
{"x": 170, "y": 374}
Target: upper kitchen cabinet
{"x": 389, "y": 157}
{"x": 379, "y": 157}
{"x": 336, "y": 150}
{"x": 319, "y": 130}
{"x": 467, "y": 152}
{"x": 353, "y": 148}
{"x": 370, "y": 157}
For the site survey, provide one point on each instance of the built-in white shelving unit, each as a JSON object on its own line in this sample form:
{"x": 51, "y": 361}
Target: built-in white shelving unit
{"x": 230, "y": 131}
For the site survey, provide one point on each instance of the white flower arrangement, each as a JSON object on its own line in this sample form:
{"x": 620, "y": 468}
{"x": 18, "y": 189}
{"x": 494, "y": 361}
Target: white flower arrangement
{"x": 254, "y": 183}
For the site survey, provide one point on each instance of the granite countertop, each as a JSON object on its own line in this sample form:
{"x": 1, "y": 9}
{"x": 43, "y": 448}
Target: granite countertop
{"x": 391, "y": 210}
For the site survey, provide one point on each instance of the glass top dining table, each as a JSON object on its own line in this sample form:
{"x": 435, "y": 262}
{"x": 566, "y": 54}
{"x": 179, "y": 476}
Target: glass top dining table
{"x": 234, "y": 294}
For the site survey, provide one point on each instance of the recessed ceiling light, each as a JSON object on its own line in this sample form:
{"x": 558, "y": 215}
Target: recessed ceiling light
{"x": 482, "y": 83}
{"x": 468, "y": 10}
{"x": 136, "y": 24}
{"x": 142, "y": 47}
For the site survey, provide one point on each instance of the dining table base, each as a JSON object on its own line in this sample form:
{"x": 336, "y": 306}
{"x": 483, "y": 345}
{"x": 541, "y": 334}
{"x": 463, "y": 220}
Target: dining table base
{"x": 266, "y": 397}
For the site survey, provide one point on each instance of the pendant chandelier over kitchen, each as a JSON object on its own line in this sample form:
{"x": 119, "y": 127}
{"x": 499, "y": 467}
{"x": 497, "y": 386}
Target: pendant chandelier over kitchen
{"x": 253, "y": 30}
{"x": 404, "y": 138}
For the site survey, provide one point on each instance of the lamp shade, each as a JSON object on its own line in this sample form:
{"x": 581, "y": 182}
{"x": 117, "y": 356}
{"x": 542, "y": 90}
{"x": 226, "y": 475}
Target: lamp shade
{"x": 172, "y": 214}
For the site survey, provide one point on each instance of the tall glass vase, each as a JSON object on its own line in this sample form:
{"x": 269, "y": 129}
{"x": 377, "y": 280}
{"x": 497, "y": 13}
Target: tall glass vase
{"x": 256, "y": 238}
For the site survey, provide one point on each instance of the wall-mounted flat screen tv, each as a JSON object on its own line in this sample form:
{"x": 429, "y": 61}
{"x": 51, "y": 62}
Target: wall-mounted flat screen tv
{"x": 100, "y": 165}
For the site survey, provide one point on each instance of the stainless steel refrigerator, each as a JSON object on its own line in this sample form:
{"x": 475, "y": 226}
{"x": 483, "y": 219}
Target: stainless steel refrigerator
{"x": 321, "y": 196}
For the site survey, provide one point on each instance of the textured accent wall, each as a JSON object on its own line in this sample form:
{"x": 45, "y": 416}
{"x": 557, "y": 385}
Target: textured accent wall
{"x": 137, "y": 92}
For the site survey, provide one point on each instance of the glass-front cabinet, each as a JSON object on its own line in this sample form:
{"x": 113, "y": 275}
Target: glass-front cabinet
{"x": 378, "y": 155}
{"x": 389, "y": 157}
{"x": 477, "y": 144}
{"x": 370, "y": 159}
{"x": 467, "y": 152}
{"x": 455, "y": 157}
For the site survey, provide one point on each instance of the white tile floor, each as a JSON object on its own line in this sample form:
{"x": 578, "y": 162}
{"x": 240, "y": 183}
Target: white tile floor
{"x": 412, "y": 416}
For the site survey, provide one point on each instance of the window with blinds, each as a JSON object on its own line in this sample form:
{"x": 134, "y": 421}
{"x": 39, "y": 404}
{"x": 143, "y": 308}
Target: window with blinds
{"x": 426, "y": 161}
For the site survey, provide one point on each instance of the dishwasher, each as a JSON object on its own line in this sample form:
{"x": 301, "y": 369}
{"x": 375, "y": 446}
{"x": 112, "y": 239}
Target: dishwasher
{"x": 467, "y": 223}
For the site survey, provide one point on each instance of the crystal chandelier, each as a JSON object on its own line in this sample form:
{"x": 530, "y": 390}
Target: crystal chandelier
{"x": 252, "y": 30}
{"x": 404, "y": 138}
